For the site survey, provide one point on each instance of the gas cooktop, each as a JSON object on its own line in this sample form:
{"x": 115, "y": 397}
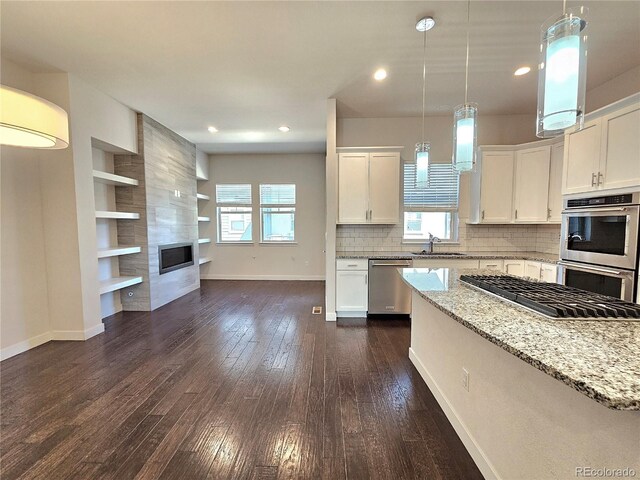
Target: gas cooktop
{"x": 553, "y": 300}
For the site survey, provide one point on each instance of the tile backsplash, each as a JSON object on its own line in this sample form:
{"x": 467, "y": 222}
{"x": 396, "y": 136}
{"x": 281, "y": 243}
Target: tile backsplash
{"x": 474, "y": 238}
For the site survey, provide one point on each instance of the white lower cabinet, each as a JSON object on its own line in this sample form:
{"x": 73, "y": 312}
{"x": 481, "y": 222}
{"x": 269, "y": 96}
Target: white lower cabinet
{"x": 532, "y": 269}
{"x": 492, "y": 264}
{"x": 352, "y": 288}
{"x": 514, "y": 267}
{"x": 549, "y": 273}
{"x": 445, "y": 262}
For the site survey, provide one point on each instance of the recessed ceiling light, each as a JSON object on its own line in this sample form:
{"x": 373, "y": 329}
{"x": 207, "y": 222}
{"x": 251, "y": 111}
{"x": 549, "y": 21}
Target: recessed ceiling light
{"x": 284, "y": 129}
{"x": 522, "y": 71}
{"x": 212, "y": 129}
{"x": 425, "y": 24}
{"x": 380, "y": 74}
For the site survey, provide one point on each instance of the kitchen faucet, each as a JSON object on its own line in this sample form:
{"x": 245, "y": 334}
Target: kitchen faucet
{"x": 428, "y": 246}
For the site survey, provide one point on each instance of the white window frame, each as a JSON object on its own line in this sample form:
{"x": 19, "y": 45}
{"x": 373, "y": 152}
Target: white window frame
{"x": 453, "y": 226}
{"x": 221, "y": 205}
{"x": 291, "y": 206}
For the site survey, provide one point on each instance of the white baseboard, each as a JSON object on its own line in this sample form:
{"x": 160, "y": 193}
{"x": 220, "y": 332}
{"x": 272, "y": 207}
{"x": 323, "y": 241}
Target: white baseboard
{"x": 260, "y": 277}
{"x": 93, "y": 331}
{"x": 351, "y": 314}
{"x": 78, "y": 335}
{"x": 20, "y": 347}
{"x": 331, "y": 317}
{"x": 33, "y": 342}
{"x": 469, "y": 442}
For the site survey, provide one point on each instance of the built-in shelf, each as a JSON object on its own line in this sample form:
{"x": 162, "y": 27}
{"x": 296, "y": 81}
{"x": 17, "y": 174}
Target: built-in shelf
{"x": 203, "y": 260}
{"x": 202, "y": 196}
{"x": 116, "y": 283}
{"x": 117, "y": 251}
{"x": 113, "y": 179}
{"x": 204, "y": 219}
{"x": 118, "y": 215}
{"x": 204, "y": 240}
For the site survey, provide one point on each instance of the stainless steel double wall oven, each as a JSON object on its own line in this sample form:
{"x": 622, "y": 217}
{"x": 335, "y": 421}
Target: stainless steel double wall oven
{"x": 599, "y": 244}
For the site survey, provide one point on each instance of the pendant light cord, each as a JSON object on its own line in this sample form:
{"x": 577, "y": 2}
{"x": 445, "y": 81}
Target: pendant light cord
{"x": 466, "y": 75}
{"x": 424, "y": 79}
{"x": 564, "y": 7}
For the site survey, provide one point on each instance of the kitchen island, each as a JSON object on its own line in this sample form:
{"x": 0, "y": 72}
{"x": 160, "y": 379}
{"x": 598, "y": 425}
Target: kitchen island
{"x": 542, "y": 397}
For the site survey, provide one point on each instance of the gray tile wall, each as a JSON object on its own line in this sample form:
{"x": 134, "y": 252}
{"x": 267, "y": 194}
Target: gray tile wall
{"x": 164, "y": 165}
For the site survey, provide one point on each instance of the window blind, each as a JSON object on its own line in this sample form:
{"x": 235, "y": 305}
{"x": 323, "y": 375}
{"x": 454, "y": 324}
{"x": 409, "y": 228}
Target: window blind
{"x": 440, "y": 191}
{"x": 277, "y": 194}
{"x": 228, "y": 194}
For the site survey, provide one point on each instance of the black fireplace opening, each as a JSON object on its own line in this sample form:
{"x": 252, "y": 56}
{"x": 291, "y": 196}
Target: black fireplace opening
{"x": 175, "y": 256}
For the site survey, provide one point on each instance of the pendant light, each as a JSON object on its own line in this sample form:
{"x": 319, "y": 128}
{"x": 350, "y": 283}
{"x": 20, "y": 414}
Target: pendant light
{"x": 562, "y": 73}
{"x": 422, "y": 148}
{"x": 30, "y": 121}
{"x": 465, "y": 122}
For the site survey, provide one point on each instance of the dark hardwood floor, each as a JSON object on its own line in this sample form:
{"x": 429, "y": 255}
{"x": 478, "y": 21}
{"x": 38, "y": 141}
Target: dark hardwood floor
{"x": 237, "y": 380}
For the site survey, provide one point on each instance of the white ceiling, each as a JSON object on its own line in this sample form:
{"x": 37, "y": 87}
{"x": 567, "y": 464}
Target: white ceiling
{"x": 249, "y": 67}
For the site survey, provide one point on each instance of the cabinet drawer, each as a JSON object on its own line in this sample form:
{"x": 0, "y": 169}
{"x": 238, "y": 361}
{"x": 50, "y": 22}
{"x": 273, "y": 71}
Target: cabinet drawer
{"x": 352, "y": 264}
{"x": 492, "y": 264}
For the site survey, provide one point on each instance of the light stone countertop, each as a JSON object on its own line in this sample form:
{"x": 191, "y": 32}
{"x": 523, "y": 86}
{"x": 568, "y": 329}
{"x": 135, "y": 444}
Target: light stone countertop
{"x": 600, "y": 359}
{"x": 439, "y": 255}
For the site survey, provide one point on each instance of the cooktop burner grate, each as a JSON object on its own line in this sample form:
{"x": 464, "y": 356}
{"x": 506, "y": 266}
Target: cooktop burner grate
{"x": 553, "y": 300}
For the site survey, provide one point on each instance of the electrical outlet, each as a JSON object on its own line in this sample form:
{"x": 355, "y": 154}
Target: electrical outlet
{"x": 465, "y": 379}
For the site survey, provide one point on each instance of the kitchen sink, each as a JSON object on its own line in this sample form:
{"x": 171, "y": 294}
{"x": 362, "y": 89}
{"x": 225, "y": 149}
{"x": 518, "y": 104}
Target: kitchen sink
{"x": 440, "y": 254}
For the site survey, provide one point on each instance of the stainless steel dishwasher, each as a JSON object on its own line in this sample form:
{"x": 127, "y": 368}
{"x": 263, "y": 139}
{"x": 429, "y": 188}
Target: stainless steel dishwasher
{"x": 387, "y": 292}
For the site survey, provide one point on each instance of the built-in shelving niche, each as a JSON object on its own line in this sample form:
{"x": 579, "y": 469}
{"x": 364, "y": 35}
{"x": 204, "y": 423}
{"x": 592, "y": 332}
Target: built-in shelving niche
{"x": 204, "y": 226}
{"x": 107, "y": 215}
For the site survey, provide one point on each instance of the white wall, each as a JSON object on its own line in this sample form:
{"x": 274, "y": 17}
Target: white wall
{"x": 24, "y": 314}
{"x": 305, "y": 259}
{"x": 615, "y": 89}
{"x": 54, "y": 192}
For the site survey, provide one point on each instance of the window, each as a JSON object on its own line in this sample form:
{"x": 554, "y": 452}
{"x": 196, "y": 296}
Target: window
{"x": 234, "y": 213}
{"x": 277, "y": 213}
{"x": 430, "y": 202}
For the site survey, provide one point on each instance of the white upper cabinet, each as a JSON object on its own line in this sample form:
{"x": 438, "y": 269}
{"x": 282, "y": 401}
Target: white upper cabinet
{"x": 532, "y": 184}
{"x": 554, "y": 207}
{"x": 582, "y": 154}
{"x": 620, "y": 149}
{"x": 384, "y": 187}
{"x": 496, "y": 186}
{"x": 605, "y": 154}
{"x": 369, "y": 187}
{"x": 353, "y": 187}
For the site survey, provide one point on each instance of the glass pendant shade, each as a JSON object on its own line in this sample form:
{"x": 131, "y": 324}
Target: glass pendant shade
{"x": 562, "y": 74}
{"x": 422, "y": 163}
{"x": 465, "y": 137}
{"x": 30, "y": 121}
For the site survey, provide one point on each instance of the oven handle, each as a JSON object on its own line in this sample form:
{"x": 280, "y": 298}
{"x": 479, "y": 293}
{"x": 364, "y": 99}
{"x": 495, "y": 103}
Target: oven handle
{"x": 595, "y": 210}
{"x": 586, "y": 268}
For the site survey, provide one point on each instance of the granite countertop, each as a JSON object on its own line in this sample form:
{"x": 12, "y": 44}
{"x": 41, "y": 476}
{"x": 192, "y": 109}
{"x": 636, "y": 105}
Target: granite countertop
{"x": 600, "y": 359}
{"x": 438, "y": 255}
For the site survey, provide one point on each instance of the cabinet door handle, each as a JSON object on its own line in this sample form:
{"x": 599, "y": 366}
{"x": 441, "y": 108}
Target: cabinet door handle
{"x": 482, "y": 214}
{"x": 370, "y": 214}
{"x": 516, "y": 213}
{"x": 366, "y": 278}
{"x": 600, "y": 178}
{"x": 366, "y": 214}
{"x": 593, "y": 179}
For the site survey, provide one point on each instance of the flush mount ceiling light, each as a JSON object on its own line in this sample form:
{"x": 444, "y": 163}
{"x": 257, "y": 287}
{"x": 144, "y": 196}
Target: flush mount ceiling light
{"x": 522, "y": 71}
{"x": 284, "y": 129}
{"x": 30, "y": 121}
{"x": 465, "y": 124}
{"x": 422, "y": 148}
{"x": 380, "y": 74}
{"x": 562, "y": 73}
{"x": 425, "y": 24}
{"x": 212, "y": 129}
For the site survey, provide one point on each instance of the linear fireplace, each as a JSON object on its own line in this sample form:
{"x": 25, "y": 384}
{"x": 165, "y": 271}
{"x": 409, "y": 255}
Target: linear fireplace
{"x": 175, "y": 256}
